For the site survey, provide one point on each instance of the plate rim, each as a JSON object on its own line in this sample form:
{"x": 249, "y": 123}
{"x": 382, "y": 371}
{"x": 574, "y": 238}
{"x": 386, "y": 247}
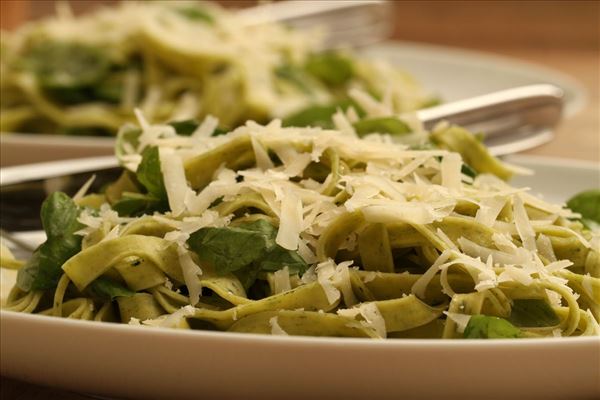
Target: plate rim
{"x": 254, "y": 338}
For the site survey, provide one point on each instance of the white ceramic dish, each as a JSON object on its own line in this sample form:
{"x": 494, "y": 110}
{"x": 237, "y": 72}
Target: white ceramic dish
{"x": 473, "y": 73}
{"x": 137, "y": 362}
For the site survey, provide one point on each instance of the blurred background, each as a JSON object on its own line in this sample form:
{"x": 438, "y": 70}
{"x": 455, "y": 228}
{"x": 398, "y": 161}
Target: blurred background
{"x": 563, "y": 35}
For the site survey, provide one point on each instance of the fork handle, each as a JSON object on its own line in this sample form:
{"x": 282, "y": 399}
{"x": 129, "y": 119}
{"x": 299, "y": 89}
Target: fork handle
{"x": 522, "y": 116}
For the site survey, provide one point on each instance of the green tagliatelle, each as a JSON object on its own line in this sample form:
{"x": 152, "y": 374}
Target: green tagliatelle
{"x": 310, "y": 231}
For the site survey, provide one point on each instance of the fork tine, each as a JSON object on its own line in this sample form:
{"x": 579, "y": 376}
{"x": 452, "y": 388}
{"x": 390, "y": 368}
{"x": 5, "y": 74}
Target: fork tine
{"x": 355, "y": 23}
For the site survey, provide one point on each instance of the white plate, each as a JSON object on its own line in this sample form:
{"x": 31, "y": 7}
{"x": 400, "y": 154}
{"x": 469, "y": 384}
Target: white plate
{"x": 137, "y": 362}
{"x": 472, "y": 73}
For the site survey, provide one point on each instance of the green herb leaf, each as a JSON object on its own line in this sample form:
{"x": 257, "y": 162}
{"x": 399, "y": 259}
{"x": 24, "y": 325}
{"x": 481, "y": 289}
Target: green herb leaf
{"x": 248, "y": 275}
{"x": 107, "y": 289}
{"x": 484, "y": 327}
{"x": 431, "y": 102}
{"x": 296, "y": 76}
{"x": 390, "y": 125}
{"x": 227, "y": 249}
{"x": 185, "y": 127}
{"x": 312, "y": 116}
{"x": 220, "y": 131}
{"x": 189, "y": 126}
{"x": 196, "y": 13}
{"x": 468, "y": 170}
{"x": 150, "y": 175}
{"x": 263, "y": 227}
{"x": 587, "y": 204}
{"x": 245, "y": 250}
{"x": 59, "y": 215}
{"x": 135, "y": 204}
{"x": 63, "y": 65}
{"x": 331, "y": 68}
{"x": 318, "y": 115}
{"x": 277, "y": 257}
{"x": 532, "y": 313}
{"x": 110, "y": 89}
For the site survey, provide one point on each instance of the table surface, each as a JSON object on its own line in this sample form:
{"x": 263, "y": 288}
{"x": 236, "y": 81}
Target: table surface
{"x": 570, "y": 45}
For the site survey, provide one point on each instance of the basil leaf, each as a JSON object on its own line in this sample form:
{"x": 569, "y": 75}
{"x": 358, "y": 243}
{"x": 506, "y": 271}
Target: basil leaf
{"x": 227, "y": 249}
{"x": 248, "y": 275}
{"x": 278, "y": 257}
{"x": 312, "y": 116}
{"x": 110, "y": 89}
{"x": 135, "y": 204}
{"x": 107, "y": 289}
{"x": 331, "y": 68}
{"x": 185, "y": 127}
{"x": 390, "y": 125}
{"x": 220, "y": 131}
{"x": 532, "y": 313}
{"x": 587, "y": 204}
{"x": 63, "y": 65}
{"x": 275, "y": 257}
{"x": 263, "y": 227}
{"x": 431, "y": 102}
{"x": 189, "y": 126}
{"x": 196, "y": 13}
{"x": 59, "y": 215}
{"x": 150, "y": 175}
{"x": 318, "y": 115}
{"x": 69, "y": 95}
{"x": 296, "y": 76}
{"x": 468, "y": 170}
{"x": 245, "y": 250}
{"x": 484, "y": 327}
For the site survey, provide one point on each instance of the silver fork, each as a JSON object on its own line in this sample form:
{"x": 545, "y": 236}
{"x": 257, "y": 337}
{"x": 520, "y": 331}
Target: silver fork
{"x": 511, "y": 120}
{"x": 346, "y": 22}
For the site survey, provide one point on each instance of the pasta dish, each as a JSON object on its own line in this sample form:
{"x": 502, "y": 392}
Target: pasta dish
{"x": 372, "y": 228}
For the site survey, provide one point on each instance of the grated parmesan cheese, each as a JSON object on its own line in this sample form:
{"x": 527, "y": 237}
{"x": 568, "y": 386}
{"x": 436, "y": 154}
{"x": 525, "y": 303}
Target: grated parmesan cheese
{"x": 325, "y": 272}
{"x": 450, "y": 167}
{"x": 191, "y": 273}
{"x": 263, "y": 161}
{"x": 290, "y": 223}
{"x": 371, "y": 317}
{"x": 175, "y": 181}
{"x": 523, "y": 225}
{"x": 281, "y": 280}
{"x": 488, "y": 211}
{"x": 461, "y": 320}
{"x": 275, "y": 328}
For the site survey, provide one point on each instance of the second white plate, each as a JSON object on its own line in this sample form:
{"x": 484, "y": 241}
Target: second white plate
{"x": 450, "y": 73}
